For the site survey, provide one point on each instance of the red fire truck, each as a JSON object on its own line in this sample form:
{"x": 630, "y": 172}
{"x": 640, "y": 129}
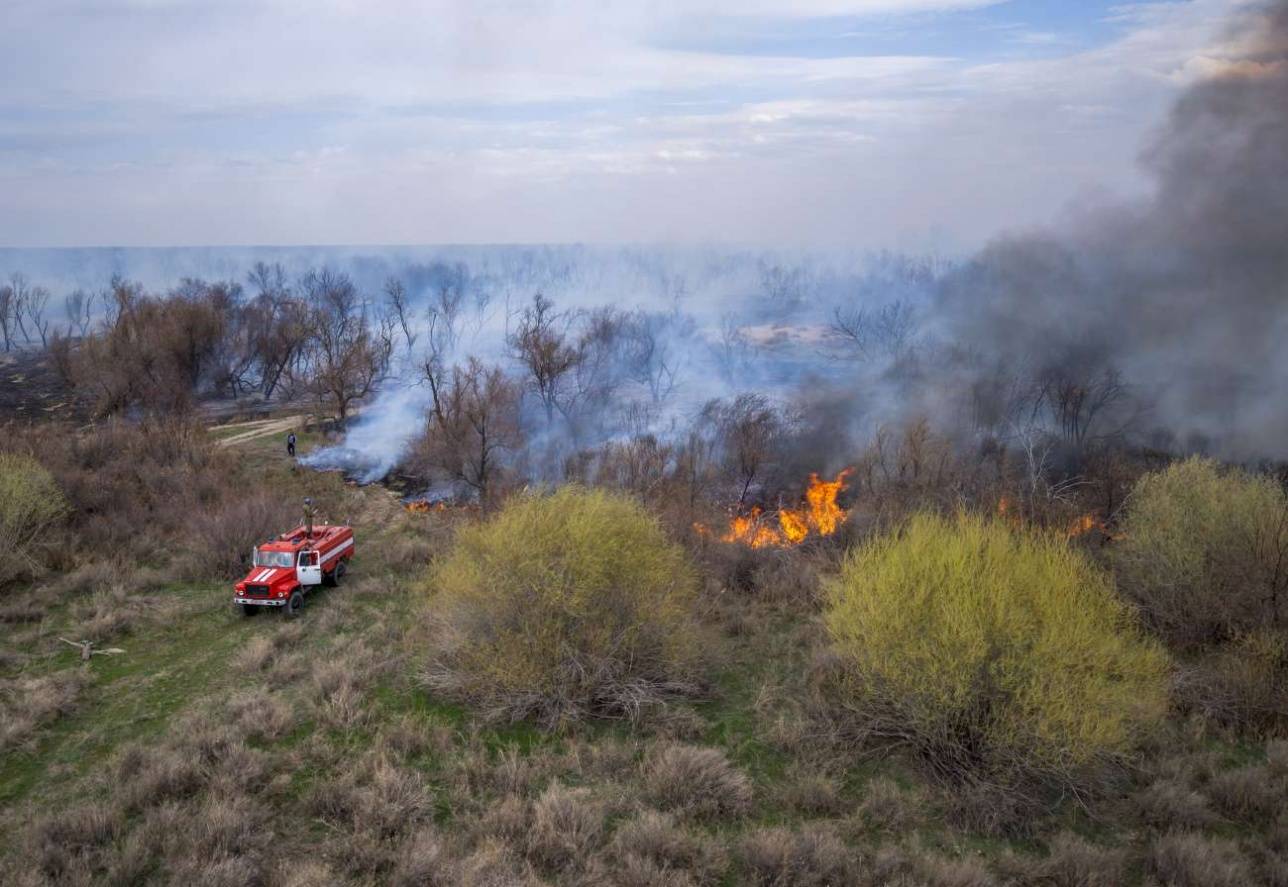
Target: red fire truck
{"x": 286, "y": 568}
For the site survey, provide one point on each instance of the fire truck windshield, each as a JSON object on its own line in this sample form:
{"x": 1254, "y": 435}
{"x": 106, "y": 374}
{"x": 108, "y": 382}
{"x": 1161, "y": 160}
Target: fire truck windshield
{"x": 273, "y": 558}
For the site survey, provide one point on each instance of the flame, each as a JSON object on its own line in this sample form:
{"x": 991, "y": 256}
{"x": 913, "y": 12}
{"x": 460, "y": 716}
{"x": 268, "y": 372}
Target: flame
{"x": 819, "y": 516}
{"x": 1079, "y": 526}
{"x": 1083, "y": 525}
{"x": 424, "y": 506}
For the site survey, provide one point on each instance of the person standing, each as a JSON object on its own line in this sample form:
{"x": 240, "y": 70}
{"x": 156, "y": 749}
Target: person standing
{"x": 290, "y": 444}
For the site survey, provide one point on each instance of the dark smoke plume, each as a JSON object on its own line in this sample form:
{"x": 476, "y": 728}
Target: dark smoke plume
{"x": 1185, "y": 293}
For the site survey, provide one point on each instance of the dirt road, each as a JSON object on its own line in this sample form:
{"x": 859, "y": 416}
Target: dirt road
{"x": 257, "y": 429}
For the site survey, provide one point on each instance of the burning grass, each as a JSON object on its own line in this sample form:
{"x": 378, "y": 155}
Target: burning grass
{"x": 818, "y": 517}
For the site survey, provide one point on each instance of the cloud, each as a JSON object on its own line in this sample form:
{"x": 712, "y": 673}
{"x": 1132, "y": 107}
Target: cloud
{"x": 199, "y": 121}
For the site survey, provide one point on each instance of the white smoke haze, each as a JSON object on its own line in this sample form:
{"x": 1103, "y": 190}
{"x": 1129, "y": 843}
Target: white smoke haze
{"x": 1172, "y": 310}
{"x": 722, "y": 323}
{"x": 1171, "y": 307}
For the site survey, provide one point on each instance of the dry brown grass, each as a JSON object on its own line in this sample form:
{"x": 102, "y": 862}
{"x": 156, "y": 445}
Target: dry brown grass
{"x": 1072, "y": 861}
{"x": 28, "y": 704}
{"x": 87, "y": 578}
{"x": 340, "y": 685}
{"x": 261, "y": 714}
{"x": 494, "y": 865}
{"x": 114, "y": 613}
{"x": 812, "y": 856}
{"x": 423, "y": 861}
{"x": 148, "y": 777}
{"x": 696, "y": 782}
{"x": 955, "y": 872}
{"x": 887, "y": 807}
{"x": 1169, "y": 803}
{"x": 222, "y": 538}
{"x": 1187, "y": 859}
{"x": 1251, "y": 795}
{"x": 812, "y": 794}
{"x": 651, "y": 845}
{"x": 565, "y": 826}
{"x": 1277, "y": 758}
{"x": 377, "y": 798}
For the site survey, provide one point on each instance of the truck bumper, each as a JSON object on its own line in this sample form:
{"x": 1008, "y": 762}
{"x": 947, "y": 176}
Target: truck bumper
{"x": 260, "y": 601}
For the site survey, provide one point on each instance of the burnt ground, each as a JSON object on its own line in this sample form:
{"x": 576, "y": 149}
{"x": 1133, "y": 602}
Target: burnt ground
{"x": 32, "y": 390}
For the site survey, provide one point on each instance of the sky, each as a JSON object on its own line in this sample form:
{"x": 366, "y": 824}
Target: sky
{"x": 921, "y": 125}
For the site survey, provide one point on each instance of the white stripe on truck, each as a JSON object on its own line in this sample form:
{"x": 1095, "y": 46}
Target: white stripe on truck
{"x": 335, "y": 552}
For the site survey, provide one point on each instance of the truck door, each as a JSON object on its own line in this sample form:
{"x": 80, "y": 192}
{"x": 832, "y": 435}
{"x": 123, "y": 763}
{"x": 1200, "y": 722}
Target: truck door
{"x": 309, "y": 571}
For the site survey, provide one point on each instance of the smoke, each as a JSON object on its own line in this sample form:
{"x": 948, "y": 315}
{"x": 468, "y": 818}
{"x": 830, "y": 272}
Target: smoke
{"x": 1186, "y": 292}
{"x": 695, "y": 324}
{"x": 1172, "y": 310}
{"x": 376, "y": 441}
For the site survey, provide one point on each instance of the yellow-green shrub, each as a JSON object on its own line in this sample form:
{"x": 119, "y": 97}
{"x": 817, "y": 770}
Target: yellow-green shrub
{"x": 991, "y": 650}
{"x": 30, "y": 503}
{"x": 564, "y": 605}
{"x": 1205, "y": 552}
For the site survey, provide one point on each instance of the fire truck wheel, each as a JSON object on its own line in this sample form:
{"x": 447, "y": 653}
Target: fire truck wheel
{"x": 294, "y": 604}
{"x": 248, "y": 609}
{"x": 332, "y": 580}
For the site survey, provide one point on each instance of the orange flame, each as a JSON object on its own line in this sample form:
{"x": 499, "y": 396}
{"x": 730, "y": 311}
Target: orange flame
{"x": 1083, "y": 525}
{"x": 819, "y": 516}
{"x": 1079, "y": 526}
{"x": 422, "y": 506}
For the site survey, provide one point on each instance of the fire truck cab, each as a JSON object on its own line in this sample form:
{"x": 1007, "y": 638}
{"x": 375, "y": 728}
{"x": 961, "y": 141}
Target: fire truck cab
{"x": 285, "y": 569}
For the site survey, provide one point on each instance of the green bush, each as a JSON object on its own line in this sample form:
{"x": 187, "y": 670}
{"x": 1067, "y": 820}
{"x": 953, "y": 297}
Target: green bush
{"x": 562, "y": 606}
{"x": 1205, "y": 553}
{"x": 30, "y": 504}
{"x": 996, "y": 653}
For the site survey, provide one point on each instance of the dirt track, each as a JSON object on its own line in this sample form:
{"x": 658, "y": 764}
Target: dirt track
{"x": 258, "y": 428}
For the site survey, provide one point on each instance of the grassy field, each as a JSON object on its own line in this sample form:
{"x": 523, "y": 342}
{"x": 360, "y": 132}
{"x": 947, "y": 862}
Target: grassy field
{"x": 218, "y": 749}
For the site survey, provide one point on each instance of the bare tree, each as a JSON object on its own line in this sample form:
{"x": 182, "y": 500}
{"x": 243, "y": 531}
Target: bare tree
{"x": 279, "y": 325}
{"x": 473, "y": 421}
{"x": 6, "y": 315}
{"x": 22, "y": 295}
{"x": 733, "y": 352}
{"x": 346, "y": 360}
{"x": 268, "y": 280}
{"x": 599, "y": 369}
{"x": 783, "y": 287}
{"x": 78, "y": 308}
{"x": 749, "y": 430}
{"x": 37, "y": 305}
{"x": 154, "y": 353}
{"x": 447, "y": 286}
{"x": 1083, "y": 402}
{"x": 653, "y": 357}
{"x": 396, "y": 294}
{"x": 884, "y": 331}
{"x": 120, "y": 300}
{"x": 540, "y": 343}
